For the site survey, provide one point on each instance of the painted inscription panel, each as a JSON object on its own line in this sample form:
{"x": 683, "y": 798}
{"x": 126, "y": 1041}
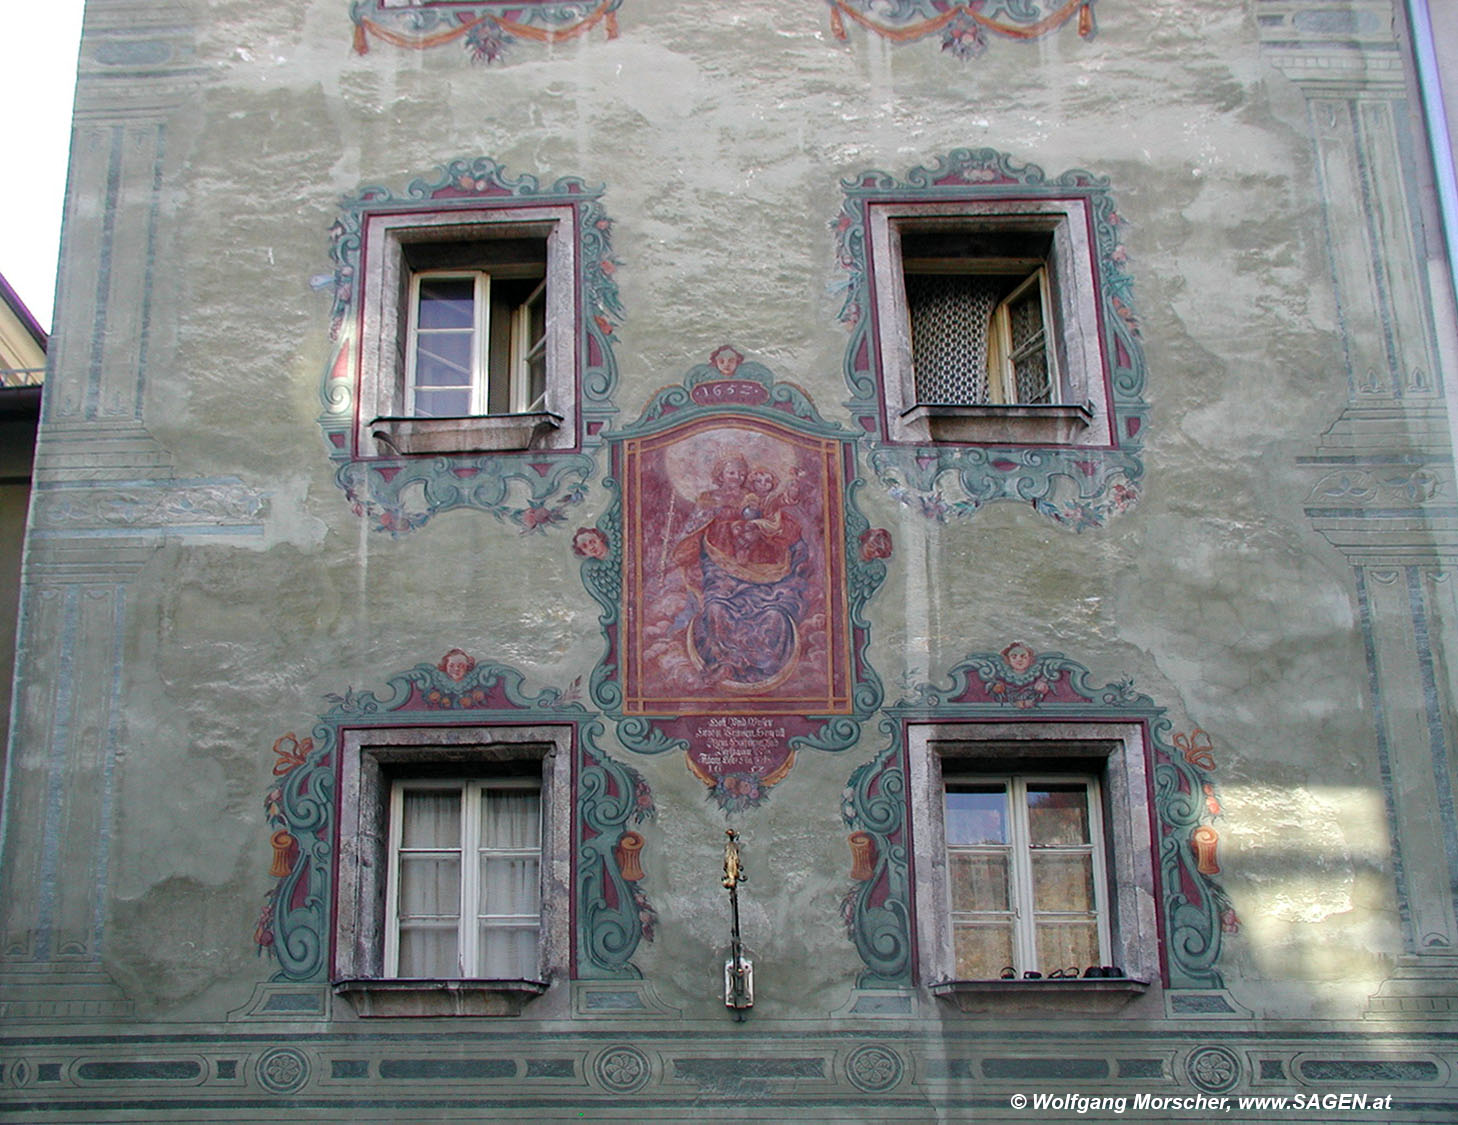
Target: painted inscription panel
{"x": 735, "y": 591}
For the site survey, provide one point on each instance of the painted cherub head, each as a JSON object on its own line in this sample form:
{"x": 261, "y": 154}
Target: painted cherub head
{"x": 1019, "y": 657}
{"x": 726, "y": 359}
{"x": 762, "y": 481}
{"x": 590, "y": 543}
{"x": 456, "y": 664}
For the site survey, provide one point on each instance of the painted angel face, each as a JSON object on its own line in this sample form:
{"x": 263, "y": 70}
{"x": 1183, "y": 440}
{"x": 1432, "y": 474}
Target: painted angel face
{"x": 456, "y": 664}
{"x": 727, "y": 360}
{"x": 1019, "y": 657}
{"x": 590, "y": 543}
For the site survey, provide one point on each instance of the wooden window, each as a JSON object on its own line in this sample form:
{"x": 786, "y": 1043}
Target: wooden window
{"x": 1025, "y": 867}
{"x": 981, "y": 318}
{"x": 987, "y": 322}
{"x": 464, "y": 894}
{"x": 471, "y": 330}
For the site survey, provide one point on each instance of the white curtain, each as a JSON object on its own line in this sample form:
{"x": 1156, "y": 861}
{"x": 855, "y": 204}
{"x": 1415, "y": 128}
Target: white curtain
{"x": 501, "y": 898}
{"x": 509, "y": 911}
{"x": 430, "y": 883}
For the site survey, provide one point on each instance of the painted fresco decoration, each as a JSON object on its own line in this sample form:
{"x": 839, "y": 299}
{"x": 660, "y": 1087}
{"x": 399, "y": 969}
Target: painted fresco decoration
{"x": 1076, "y": 486}
{"x": 1194, "y": 912}
{"x": 876, "y": 910}
{"x": 610, "y": 800}
{"x": 487, "y": 29}
{"x": 963, "y": 25}
{"x": 533, "y": 490}
{"x": 733, "y": 570}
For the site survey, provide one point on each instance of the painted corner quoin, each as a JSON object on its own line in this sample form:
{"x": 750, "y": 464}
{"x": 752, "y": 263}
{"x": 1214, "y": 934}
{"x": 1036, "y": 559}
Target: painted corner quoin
{"x": 1194, "y": 911}
{"x": 487, "y": 29}
{"x": 532, "y": 489}
{"x": 734, "y": 570}
{"x": 962, "y": 25}
{"x": 610, "y": 914}
{"x": 1079, "y": 486}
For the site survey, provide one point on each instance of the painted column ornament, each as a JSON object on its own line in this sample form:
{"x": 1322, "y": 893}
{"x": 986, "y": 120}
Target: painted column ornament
{"x": 1203, "y": 840}
{"x": 630, "y": 844}
{"x": 863, "y": 856}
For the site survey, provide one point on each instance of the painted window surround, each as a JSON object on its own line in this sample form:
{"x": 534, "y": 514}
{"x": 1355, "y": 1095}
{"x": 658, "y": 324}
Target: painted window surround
{"x": 369, "y": 761}
{"x": 1113, "y": 751}
{"x": 1082, "y": 416}
{"x": 383, "y": 428}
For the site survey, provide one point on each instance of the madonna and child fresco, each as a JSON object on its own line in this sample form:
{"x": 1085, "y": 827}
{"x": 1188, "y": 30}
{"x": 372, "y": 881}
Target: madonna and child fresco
{"x": 735, "y": 580}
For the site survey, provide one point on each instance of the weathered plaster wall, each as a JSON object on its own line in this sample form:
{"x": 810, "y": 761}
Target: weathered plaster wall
{"x": 200, "y": 585}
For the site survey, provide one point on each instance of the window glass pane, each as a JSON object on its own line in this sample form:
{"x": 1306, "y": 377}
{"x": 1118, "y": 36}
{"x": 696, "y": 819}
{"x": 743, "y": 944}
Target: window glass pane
{"x": 430, "y": 886}
{"x": 443, "y": 404}
{"x": 537, "y": 321}
{"x": 508, "y": 952}
{"x": 976, "y": 814}
{"x": 982, "y": 951}
{"x": 979, "y": 880}
{"x": 1063, "y": 881}
{"x": 1057, "y": 813}
{"x": 509, "y": 886}
{"x": 443, "y": 359}
{"x": 511, "y": 818}
{"x": 428, "y": 952}
{"x": 1067, "y": 945}
{"x": 1031, "y": 382}
{"x": 447, "y": 302}
{"x": 431, "y": 818}
{"x": 536, "y": 382}
{"x": 1025, "y": 317}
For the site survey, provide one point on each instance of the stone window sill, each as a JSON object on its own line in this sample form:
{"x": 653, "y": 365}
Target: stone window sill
{"x": 483, "y": 433}
{"x": 1076, "y": 994}
{"x": 395, "y": 999}
{"x": 1029, "y": 424}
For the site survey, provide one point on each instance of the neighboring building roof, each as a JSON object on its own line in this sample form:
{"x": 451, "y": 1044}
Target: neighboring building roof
{"x": 22, "y": 341}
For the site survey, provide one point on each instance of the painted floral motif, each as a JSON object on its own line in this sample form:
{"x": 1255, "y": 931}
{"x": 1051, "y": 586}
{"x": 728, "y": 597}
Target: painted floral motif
{"x": 962, "y": 25}
{"x": 486, "y": 28}
{"x": 613, "y": 910}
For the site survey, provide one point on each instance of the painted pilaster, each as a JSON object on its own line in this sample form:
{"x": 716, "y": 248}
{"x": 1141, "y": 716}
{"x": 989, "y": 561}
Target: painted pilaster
{"x": 104, "y": 500}
{"x": 1382, "y": 483}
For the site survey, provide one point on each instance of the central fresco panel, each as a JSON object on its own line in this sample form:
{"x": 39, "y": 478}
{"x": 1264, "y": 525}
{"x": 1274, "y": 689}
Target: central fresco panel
{"x": 734, "y": 633}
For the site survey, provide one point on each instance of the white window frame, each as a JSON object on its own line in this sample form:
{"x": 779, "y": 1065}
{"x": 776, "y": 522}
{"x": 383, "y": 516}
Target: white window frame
{"x": 1081, "y": 416}
{"x": 469, "y": 900}
{"x": 384, "y": 426}
{"x": 524, "y": 350}
{"x": 370, "y": 760}
{"x": 1019, "y": 850}
{"x": 1113, "y": 752}
{"x": 480, "y": 336}
{"x": 521, "y": 347}
{"x": 1002, "y": 367}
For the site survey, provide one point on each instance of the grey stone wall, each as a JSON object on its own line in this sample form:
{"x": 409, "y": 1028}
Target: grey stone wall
{"x": 211, "y": 582}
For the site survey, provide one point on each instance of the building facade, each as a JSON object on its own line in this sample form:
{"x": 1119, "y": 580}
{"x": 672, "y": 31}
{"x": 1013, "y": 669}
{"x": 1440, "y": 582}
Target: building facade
{"x": 843, "y": 560}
